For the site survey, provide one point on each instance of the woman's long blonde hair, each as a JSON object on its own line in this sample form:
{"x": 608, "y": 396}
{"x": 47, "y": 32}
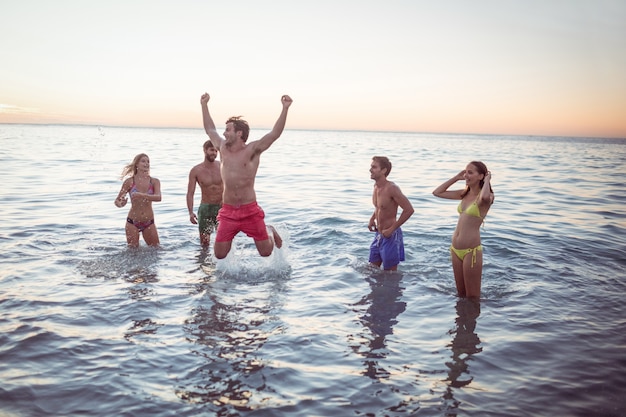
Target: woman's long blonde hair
{"x": 132, "y": 167}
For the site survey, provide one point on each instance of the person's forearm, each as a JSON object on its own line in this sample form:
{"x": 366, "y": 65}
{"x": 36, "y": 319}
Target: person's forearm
{"x": 190, "y": 203}
{"x": 444, "y": 187}
{"x": 279, "y": 126}
{"x": 404, "y": 217}
{"x": 207, "y": 120}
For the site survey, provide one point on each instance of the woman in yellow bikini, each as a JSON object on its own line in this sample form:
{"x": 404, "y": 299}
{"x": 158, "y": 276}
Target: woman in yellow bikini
{"x": 466, "y": 250}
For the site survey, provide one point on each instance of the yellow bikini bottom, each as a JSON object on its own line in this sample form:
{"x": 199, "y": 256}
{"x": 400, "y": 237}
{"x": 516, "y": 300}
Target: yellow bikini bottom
{"x": 460, "y": 253}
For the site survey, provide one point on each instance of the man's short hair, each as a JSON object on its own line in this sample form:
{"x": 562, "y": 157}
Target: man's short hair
{"x": 384, "y": 162}
{"x": 240, "y": 125}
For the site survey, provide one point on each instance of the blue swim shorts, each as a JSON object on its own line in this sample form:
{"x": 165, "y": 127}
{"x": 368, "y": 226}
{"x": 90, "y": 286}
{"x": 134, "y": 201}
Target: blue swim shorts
{"x": 388, "y": 250}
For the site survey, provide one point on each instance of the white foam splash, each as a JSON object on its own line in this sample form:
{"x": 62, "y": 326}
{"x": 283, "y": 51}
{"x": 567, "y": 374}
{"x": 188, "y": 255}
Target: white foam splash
{"x": 243, "y": 260}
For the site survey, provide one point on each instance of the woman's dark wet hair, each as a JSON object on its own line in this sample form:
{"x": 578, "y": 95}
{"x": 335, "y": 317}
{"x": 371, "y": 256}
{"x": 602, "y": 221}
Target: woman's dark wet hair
{"x": 482, "y": 169}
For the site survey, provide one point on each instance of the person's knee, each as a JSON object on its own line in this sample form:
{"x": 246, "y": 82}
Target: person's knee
{"x": 265, "y": 252}
{"x": 221, "y": 250}
{"x": 264, "y": 247}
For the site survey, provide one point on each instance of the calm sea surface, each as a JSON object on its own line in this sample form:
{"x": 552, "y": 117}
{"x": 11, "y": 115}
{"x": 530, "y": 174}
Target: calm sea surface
{"x": 89, "y": 327}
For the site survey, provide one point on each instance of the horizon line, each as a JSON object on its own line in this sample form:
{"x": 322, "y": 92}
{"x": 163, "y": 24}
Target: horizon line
{"x": 321, "y": 130}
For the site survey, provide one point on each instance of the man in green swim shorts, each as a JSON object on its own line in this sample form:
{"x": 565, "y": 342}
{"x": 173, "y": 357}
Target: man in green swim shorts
{"x": 207, "y": 176}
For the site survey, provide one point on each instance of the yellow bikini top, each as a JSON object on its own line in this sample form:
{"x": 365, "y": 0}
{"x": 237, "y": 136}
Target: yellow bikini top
{"x": 472, "y": 209}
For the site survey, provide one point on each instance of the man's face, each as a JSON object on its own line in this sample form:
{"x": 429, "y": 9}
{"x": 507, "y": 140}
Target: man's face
{"x": 230, "y": 135}
{"x": 210, "y": 153}
{"x": 376, "y": 171}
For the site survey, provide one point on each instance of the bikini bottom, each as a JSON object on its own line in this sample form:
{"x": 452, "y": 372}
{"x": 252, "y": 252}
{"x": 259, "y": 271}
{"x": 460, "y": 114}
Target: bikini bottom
{"x": 460, "y": 253}
{"x": 141, "y": 226}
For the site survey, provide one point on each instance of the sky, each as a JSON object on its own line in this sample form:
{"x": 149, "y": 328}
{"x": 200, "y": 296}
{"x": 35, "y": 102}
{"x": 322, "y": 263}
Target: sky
{"x": 519, "y": 67}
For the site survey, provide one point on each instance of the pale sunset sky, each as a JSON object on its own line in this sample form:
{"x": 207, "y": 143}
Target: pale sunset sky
{"x": 528, "y": 67}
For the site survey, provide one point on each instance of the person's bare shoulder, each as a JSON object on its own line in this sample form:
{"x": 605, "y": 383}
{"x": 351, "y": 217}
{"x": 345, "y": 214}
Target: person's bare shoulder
{"x": 196, "y": 168}
{"x": 127, "y": 182}
{"x": 254, "y": 147}
{"x": 394, "y": 191}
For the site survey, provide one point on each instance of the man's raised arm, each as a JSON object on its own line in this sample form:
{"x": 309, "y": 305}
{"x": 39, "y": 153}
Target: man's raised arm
{"x": 209, "y": 125}
{"x": 267, "y": 140}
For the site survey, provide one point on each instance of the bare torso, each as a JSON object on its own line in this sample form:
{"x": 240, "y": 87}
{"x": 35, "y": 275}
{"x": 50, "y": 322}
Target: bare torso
{"x": 209, "y": 179}
{"x": 239, "y": 168}
{"x": 386, "y": 207}
{"x": 141, "y": 208}
{"x": 467, "y": 232}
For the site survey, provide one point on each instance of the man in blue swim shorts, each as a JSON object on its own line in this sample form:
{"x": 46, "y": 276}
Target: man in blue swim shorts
{"x": 387, "y": 249}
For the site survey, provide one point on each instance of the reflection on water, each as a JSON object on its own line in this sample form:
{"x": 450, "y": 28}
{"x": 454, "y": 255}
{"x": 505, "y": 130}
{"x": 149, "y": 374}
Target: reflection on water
{"x": 143, "y": 277}
{"x": 142, "y": 327}
{"x": 133, "y": 265}
{"x": 137, "y": 267}
{"x": 232, "y": 322}
{"x": 465, "y": 343}
{"x": 153, "y": 332}
{"x": 383, "y": 307}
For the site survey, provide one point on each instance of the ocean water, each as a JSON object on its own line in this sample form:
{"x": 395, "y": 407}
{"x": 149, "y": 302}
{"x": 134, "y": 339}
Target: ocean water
{"x": 89, "y": 327}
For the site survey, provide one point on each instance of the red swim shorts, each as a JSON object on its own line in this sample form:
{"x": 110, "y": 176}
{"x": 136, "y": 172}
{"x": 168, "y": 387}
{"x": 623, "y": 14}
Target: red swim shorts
{"x": 247, "y": 218}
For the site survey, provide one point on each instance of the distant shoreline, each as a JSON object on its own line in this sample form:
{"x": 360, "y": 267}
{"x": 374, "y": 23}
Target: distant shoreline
{"x": 504, "y": 135}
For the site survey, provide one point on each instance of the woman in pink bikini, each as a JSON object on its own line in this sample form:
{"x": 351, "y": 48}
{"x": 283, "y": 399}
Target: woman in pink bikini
{"x": 466, "y": 250}
{"x": 143, "y": 190}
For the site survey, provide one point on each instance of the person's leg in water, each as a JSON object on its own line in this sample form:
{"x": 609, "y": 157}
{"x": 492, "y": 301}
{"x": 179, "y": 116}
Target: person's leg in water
{"x": 132, "y": 234}
{"x": 150, "y": 235}
{"x": 388, "y": 252}
{"x": 467, "y": 271}
{"x": 250, "y": 220}
{"x": 265, "y": 236}
{"x": 207, "y": 222}
{"x": 265, "y": 247}
{"x": 227, "y": 229}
